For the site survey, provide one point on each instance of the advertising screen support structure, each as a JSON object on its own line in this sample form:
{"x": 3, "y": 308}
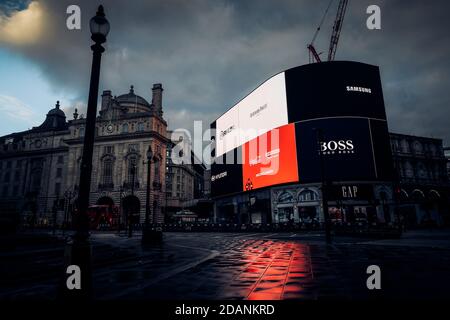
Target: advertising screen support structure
{"x": 326, "y": 214}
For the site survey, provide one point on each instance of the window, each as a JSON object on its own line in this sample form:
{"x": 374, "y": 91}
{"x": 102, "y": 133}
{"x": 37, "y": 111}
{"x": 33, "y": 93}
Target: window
{"x": 409, "y": 170}
{"x": 60, "y": 159}
{"x": 132, "y": 168}
{"x": 107, "y": 171}
{"x": 5, "y": 191}
{"x": 285, "y": 197}
{"x": 82, "y": 132}
{"x": 16, "y": 190}
{"x": 418, "y": 147}
{"x": 307, "y": 195}
{"x": 8, "y": 164}
{"x": 405, "y": 146}
{"x": 36, "y": 180}
{"x": 125, "y": 128}
{"x": 57, "y": 188}
{"x": 109, "y": 150}
{"x": 422, "y": 171}
{"x": 16, "y": 175}
{"x": 133, "y": 148}
{"x": 157, "y": 172}
{"x": 59, "y": 172}
{"x": 7, "y": 177}
{"x": 141, "y": 126}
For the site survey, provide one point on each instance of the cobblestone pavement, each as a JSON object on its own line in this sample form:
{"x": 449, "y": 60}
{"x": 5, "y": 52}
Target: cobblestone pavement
{"x": 242, "y": 266}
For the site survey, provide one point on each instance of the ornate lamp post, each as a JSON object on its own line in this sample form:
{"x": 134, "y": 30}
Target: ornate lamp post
{"x": 147, "y": 197}
{"x": 131, "y": 209}
{"x": 80, "y": 253}
{"x": 152, "y": 234}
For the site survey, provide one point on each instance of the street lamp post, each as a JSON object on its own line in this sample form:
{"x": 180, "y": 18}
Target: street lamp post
{"x": 152, "y": 234}
{"x": 80, "y": 248}
{"x": 120, "y": 208}
{"x": 147, "y": 196}
{"x": 130, "y": 210}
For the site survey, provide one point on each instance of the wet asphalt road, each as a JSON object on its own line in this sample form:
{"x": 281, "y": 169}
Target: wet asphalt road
{"x": 250, "y": 266}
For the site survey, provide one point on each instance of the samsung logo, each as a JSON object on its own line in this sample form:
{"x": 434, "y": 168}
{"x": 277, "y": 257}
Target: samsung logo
{"x": 359, "y": 89}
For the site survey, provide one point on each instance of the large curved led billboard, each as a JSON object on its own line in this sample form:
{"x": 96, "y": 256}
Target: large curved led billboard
{"x": 271, "y": 136}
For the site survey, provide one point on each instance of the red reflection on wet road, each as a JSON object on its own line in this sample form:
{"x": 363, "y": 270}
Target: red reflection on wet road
{"x": 274, "y": 270}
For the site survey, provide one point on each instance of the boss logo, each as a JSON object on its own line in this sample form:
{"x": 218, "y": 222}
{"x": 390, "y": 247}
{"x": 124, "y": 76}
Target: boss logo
{"x": 337, "y": 147}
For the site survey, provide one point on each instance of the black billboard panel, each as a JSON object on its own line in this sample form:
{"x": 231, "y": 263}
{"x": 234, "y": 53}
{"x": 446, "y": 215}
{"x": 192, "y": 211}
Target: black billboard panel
{"x": 382, "y": 150}
{"x": 226, "y": 174}
{"x": 334, "y": 89}
{"x": 345, "y": 147}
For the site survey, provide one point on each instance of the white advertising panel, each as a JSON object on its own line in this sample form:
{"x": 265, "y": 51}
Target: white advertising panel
{"x": 227, "y": 134}
{"x": 261, "y": 111}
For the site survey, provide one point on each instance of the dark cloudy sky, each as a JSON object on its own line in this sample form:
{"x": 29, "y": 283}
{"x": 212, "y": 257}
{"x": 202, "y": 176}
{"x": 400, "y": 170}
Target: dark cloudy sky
{"x": 209, "y": 54}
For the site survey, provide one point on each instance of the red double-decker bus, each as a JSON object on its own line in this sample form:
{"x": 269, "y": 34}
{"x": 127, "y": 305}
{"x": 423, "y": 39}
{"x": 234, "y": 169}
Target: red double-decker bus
{"x": 103, "y": 217}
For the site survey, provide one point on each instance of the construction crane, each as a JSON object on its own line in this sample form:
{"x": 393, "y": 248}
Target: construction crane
{"x": 337, "y": 27}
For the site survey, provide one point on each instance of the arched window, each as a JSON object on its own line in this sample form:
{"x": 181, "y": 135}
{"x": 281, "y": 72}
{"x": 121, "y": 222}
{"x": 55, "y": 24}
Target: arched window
{"x": 125, "y": 128}
{"x": 285, "y": 197}
{"x": 108, "y": 167}
{"x": 409, "y": 170}
{"x": 307, "y": 195}
{"x": 81, "y": 131}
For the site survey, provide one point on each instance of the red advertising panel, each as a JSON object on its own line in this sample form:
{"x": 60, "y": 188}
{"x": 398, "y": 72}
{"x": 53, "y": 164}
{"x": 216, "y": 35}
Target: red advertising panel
{"x": 270, "y": 159}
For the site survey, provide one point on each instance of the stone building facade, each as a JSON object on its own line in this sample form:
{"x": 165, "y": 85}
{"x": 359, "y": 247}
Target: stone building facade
{"x": 40, "y": 167}
{"x": 33, "y": 167}
{"x": 447, "y": 156}
{"x": 184, "y": 176}
{"x": 423, "y": 180}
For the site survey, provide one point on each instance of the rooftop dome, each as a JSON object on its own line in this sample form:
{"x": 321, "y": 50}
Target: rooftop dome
{"x": 56, "y": 111}
{"x": 131, "y": 97}
{"x": 55, "y": 120}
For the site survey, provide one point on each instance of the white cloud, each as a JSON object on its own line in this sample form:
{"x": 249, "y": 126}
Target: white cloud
{"x": 23, "y": 27}
{"x": 16, "y": 109}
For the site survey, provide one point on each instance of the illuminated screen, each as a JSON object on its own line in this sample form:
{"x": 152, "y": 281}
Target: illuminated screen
{"x": 343, "y": 100}
{"x": 262, "y": 110}
{"x": 270, "y": 159}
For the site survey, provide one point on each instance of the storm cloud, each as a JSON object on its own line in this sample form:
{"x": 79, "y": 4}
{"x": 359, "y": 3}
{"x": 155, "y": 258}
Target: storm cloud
{"x": 209, "y": 54}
